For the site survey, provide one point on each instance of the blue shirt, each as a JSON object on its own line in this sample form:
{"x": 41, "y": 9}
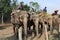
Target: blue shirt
{"x": 45, "y": 10}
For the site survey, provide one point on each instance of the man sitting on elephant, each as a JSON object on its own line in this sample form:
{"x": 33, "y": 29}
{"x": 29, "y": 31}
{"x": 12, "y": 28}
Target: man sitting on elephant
{"x": 20, "y": 6}
{"x": 55, "y": 12}
{"x": 45, "y": 11}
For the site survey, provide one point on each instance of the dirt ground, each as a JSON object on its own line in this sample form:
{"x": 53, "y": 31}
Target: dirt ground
{"x": 6, "y": 33}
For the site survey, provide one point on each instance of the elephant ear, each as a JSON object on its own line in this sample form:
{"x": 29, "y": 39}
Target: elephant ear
{"x": 27, "y": 15}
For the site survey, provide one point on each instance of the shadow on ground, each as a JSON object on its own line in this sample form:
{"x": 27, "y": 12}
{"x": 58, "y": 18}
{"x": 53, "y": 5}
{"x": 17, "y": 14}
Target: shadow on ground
{"x": 1, "y": 28}
{"x": 9, "y": 38}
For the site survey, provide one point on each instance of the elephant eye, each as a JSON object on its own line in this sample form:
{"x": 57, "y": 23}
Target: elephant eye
{"x": 13, "y": 14}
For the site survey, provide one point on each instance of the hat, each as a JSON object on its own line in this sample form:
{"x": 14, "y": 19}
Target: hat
{"x": 56, "y": 10}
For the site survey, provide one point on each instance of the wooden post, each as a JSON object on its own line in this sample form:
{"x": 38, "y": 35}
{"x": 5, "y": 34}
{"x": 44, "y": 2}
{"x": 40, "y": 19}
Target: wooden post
{"x": 46, "y": 32}
{"x": 20, "y": 33}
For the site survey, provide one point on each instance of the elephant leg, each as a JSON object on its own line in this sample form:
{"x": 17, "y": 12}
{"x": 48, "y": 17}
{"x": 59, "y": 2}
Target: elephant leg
{"x": 29, "y": 28}
{"x": 17, "y": 31}
{"x": 43, "y": 29}
{"x": 51, "y": 28}
{"x": 14, "y": 26}
{"x": 36, "y": 27}
{"x": 25, "y": 29}
{"x": 58, "y": 28}
{"x": 14, "y": 29}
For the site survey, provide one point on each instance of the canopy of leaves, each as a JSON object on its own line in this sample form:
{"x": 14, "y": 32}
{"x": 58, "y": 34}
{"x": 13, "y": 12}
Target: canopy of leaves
{"x": 4, "y": 5}
{"x": 26, "y": 7}
{"x": 5, "y": 8}
{"x": 35, "y": 5}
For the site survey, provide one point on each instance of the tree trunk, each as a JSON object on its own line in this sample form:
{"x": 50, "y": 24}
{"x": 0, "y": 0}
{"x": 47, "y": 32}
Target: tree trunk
{"x": 2, "y": 17}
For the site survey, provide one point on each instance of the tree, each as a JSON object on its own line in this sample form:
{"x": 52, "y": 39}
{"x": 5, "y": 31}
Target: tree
{"x": 14, "y": 3}
{"x": 26, "y": 7}
{"x": 35, "y": 5}
{"x": 5, "y": 9}
{"x": 22, "y": 2}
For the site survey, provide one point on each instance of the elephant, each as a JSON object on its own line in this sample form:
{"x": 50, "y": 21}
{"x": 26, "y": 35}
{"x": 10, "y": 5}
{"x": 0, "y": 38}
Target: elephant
{"x": 14, "y": 19}
{"x": 55, "y": 22}
{"x": 45, "y": 18}
{"x": 38, "y": 20}
{"x": 19, "y": 19}
{"x": 32, "y": 20}
{"x": 24, "y": 19}
{"x": 35, "y": 19}
{"x": 52, "y": 21}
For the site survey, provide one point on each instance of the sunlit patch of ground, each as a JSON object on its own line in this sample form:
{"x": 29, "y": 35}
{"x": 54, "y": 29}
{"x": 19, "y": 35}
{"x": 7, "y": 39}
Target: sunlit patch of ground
{"x": 55, "y": 36}
{"x": 6, "y": 32}
{"x": 9, "y": 30}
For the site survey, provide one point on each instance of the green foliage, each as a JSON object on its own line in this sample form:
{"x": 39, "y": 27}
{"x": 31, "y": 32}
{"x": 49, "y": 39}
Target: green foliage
{"x": 6, "y": 8}
{"x": 4, "y": 4}
{"x": 22, "y": 2}
{"x": 26, "y": 7}
{"x": 35, "y": 5}
{"x": 14, "y": 3}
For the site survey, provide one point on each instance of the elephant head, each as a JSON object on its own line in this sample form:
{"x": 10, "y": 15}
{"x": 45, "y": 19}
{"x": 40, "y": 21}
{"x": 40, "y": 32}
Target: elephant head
{"x": 14, "y": 17}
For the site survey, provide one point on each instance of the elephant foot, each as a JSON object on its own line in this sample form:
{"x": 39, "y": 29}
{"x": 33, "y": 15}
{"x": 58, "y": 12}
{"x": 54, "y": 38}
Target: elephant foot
{"x": 36, "y": 34}
{"x": 51, "y": 33}
{"x": 25, "y": 37}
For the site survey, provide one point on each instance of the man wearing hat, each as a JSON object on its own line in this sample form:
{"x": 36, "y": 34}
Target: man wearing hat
{"x": 55, "y": 12}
